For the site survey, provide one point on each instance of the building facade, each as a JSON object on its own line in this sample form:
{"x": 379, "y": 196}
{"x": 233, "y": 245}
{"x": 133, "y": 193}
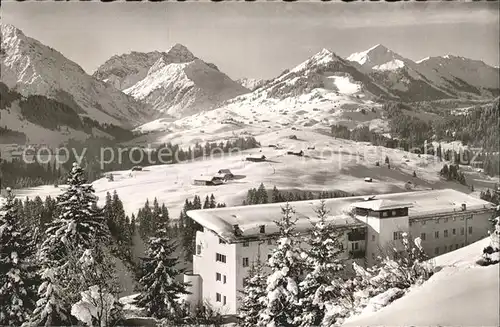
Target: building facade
{"x": 368, "y": 227}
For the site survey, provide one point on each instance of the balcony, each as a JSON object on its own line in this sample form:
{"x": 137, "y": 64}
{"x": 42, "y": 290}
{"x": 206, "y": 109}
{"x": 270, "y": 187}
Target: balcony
{"x": 357, "y": 254}
{"x": 356, "y": 235}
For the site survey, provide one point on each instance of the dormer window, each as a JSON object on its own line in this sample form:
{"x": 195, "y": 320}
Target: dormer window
{"x": 262, "y": 229}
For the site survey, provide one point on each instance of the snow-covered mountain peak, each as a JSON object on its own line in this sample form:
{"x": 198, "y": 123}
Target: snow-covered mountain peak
{"x": 182, "y": 87}
{"x": 378, "y": 55}
{"x": 461, "y": 70}
{"x": 181, "y": 53}
{"x": 9, "y": 30}
{"x": 32, "y": 68}
{"x": 323, "y": 57}
{"x": 453, "y": 60}
{"x": 324, "y": 52}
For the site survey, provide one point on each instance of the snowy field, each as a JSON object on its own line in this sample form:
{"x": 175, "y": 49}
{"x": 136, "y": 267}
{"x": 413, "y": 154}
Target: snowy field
{"x": 334, "y": 164}
{"x": 462, "y": 293}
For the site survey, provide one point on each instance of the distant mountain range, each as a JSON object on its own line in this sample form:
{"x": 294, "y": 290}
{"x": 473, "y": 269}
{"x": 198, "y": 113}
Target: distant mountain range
{"x": 430, "y": 78}
{"x": 131, "y": 89}
{"x": 251, "y": 83}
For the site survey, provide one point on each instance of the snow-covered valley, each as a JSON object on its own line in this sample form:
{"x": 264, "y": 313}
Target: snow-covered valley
{"x": 334, "y": 164}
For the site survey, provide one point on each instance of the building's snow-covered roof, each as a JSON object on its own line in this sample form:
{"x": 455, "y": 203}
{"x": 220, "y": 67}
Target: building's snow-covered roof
{"x": 204, "y": 178}
{"x": 250, "y": 218}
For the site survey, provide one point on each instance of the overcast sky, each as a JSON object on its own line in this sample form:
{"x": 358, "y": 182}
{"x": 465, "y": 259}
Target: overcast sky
{"x": 259, "y": 40}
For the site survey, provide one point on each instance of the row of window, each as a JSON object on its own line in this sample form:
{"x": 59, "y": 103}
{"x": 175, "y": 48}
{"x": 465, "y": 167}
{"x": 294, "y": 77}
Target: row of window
{"x": 246, "y": 261}
{"x": 446, "y": 233}
{"x": 445, "y": 220}
{"x": 423, "y": 236}
{"x": 247, "y": 243}
{"x": 401, "y": 212}
{"x": 220, "y": 298}
{"x": 448, "y": 248}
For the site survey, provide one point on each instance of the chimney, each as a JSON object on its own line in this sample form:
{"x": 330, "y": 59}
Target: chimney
{"x": 237, "y": 231}
{"x": 464, "y": 206}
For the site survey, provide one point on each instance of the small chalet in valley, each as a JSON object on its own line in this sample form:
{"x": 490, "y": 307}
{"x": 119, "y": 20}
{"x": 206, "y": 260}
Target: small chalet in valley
{"x": 208, "y": 180}
{"x": 225, "y": 174}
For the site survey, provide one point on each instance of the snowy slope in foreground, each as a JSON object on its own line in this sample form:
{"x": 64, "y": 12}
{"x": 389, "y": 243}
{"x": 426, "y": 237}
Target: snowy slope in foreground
{"x": 461, "y": 294}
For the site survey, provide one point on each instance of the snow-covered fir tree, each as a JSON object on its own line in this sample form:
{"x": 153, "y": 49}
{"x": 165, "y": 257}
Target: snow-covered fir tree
{"x": 99, "y": 288}
{"x": 491, "y": 253}
{"x": 405, "y": 268}
{"x": 253, "y": 295}
{"x": 281, "y": 303}
{"x": 160, "y": 290}
{"x": 383, "y": 283}
{"x": 322, "y": 264}
{"x": 16, "y": 267}
{"x": 52, "y": 307}
{"x": 79, "y": 227}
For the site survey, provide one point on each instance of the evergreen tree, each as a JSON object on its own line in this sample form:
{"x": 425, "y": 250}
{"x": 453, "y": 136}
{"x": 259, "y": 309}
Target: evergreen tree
{"x": 145, "y": 220}
{"x": 161, "y": 290}
{"x": 119, "y": 220}
{"x": 206, "y": 204}
{"x": 322, "y": 266}
{"x": 444, "y": 171}
{"x": 79, "y": 224}
{"x": 212, "y": 204}
{"x": 196, "y": 202}
{"x": 132, "y": 226}
{"x": 262, "y": 194}
{"x": 52, "y": 307}
{"x": 108, "y": 213}
{"x": 164, "y": 217}
{"x": 155, "y": 218}
{"x": 253, "y": 295}
{"x": 275, "y": 195}
{"x": 79, "y": 227}
{"x": 281, "y": 304}
{"x": 16, "y": 267}
{"x": 252, "y": 197}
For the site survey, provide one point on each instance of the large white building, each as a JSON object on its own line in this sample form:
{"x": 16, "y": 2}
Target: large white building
{"x": 233, "y": 237}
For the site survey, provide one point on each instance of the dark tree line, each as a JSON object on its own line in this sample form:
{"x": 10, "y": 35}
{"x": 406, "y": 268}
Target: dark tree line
{"x": 478, "y": 127}
{"x": 187, "y": 227}
{"x": 9, "y": 136}
{"x": 411, "y": 134}
{"x": 453, "y": 173}
{"x": 19, "y": 174}
{"x": 261, "y": 195}
{"x": 150, "y": 218}
{"x": 490, "y": 196}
